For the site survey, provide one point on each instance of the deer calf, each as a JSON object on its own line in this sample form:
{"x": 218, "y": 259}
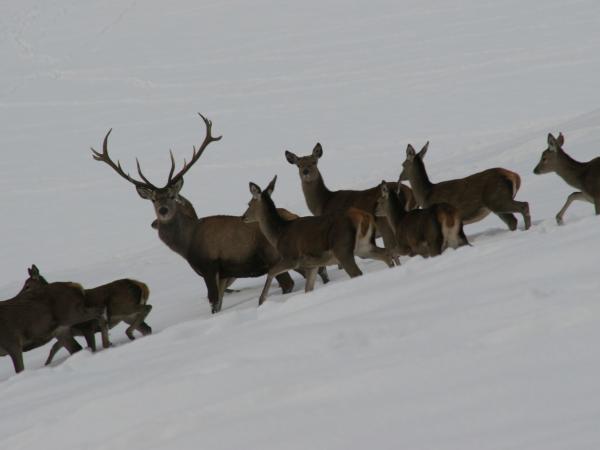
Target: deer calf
{"x": 34, "y": 317}
{"x": 123, "y": 300}
{"x": 308, "y": 243}
{"x": 426, "y": 232}
{"x": 584, "y": 176}
{"x": 475, "y": 196}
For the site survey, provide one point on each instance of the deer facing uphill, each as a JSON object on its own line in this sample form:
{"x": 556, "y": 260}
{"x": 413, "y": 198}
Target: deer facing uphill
{"x": 584, "y": 176}
{"x": 123, "y": 300}
{"x": 475, "y": 196}
{"x": 33, "y": 318}
{"x": 320, "y": 200}
{"x": 311, "y": 242}
{"x": 426, "y": 232}
{"x": 218, "y": 248}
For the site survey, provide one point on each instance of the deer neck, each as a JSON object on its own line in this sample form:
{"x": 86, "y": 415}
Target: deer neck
{"x": 178, "y": 232}
{"x": 420, "y": 184}
{"x": 316, "y": 195}
{"x": 569, "y": 169}
{"x": 270, "y": 222}
{"x": 395, "y": 213}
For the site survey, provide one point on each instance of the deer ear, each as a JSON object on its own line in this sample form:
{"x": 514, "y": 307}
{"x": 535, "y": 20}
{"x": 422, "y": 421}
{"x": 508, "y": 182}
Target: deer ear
{"x": 291, "y": 157}
{"x": 271, "y": 187}
{"x": 551, "y": 140}
{"x": 177, "y": 186}
{"x": 560, "y": 139}
{"x": 410, "y": 152}
{"x": 423, "y": 151}
{"x": 254, "y": 190}
{"x": 317, "y": 151}
{"x": 385, "y": 191}
{"x": 145, "y": 193}
{"x": 34, "y": 270}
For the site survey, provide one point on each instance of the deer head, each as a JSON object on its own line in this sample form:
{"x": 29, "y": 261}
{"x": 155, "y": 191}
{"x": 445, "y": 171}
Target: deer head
{"x": 256, "y": 203}
{"x": 164, "y": 199}
{"x": 549, "y": 160}
{"x": 307, "y": 165}
{"x": 35, "y": 279}
{"x": 409, "y": 166}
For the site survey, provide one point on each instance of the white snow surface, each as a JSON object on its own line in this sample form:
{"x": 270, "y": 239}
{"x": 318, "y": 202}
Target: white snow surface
{"x": 495, "y": 346}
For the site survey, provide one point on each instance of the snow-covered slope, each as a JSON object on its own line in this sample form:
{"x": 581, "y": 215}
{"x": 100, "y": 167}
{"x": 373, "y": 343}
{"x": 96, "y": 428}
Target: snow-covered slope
{"x": 488, "y": 347}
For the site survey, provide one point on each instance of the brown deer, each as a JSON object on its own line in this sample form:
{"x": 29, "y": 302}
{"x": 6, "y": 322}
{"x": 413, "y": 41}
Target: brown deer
{"x": 311, "y": 242}
{"x": 475, "y": 196}
{"x": 122, "y": 300}
{"x": 33, "y": 318}
{"x": 426, "y": 232}
{"x": 584, "y": 176}
{"x": 320, "y": 200}
{"x": 218, "y": 248}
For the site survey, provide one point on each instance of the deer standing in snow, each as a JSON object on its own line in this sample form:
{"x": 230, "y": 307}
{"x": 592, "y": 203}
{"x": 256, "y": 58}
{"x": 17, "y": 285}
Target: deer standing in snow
{"x": 584, "y": 176}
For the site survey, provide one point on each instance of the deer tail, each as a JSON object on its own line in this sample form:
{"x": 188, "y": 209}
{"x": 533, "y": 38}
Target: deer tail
{"x": 144, "y": 291}
{"x": 513, "y": 178}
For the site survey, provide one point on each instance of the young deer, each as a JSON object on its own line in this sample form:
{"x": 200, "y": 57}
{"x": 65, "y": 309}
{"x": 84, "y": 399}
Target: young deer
{"x": 32, "y": 318}
{"x": 311, "y": 242}
{"x": 426, "y": 232}
{"x": 122, "y": 300}
{"x": 475, "y": 196}
{"x": 320, "y": 200}
{"x": 584, "y": 176}
{"x": 218, "y": 248}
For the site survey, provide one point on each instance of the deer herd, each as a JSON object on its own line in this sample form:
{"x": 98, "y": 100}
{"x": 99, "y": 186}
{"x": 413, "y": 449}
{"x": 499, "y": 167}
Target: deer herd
{"x": 424, "y": 220}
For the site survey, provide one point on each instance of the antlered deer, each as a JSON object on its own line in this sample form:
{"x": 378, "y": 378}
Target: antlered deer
{"x": 426, "y": 232}
{"x": 123, "y": 300}
{"x": 320, "y": 200}
{"x": 218, "y": 248}
{"x": 584, "y": 176}
{"x": 33, "y": 318}
{"x": 475, "y": 196}
{"x": 311, "y": 242}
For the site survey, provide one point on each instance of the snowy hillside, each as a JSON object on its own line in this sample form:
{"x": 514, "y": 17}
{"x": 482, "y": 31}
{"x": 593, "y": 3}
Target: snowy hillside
{"x": 488, "y": 347}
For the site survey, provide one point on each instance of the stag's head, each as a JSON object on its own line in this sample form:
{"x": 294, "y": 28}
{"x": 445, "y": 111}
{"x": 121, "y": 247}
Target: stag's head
{"x": 35, "y": 279}
{"x": 165, "y": 199}
{"x": 549, "y": 159}
{"x": 307, "y": 165}
{"x": 259, "y": 201}
{"x": 412, "y": 162}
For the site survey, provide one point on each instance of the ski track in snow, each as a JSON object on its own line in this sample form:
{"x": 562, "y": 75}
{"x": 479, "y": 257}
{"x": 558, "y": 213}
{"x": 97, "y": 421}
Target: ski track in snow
{"x": 487, "y": 347}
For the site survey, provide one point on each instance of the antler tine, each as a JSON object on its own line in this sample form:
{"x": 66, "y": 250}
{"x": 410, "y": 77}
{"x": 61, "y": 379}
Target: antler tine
{"x": 197, "y": 152}
{"x": 172, "y": 166}
{"x": 139, "y": 169}
{"x": 105, "y": 157}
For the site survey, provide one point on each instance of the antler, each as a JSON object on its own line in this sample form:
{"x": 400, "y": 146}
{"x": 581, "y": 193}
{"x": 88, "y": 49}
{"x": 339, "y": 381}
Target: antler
{"x": 104, "y": 157}
{"x": 195, "y": 155}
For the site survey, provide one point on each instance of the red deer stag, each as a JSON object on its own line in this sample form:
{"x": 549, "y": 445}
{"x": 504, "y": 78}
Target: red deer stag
{"x": 33, "y": 318}
{"x": 426, "y": 232}
{"x": 320, "y": 200}
{"x": 122, "y": 300}
{"x": 218, "y": 248}
{"x": 308, "y": 243}
{"x": 475, "y": 196}
{"x": 584, "y": 176}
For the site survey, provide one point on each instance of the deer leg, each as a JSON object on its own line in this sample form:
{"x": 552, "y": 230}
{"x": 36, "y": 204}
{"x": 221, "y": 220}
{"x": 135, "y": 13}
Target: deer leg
{"x": 277, "y": 269}
{"x": 285, "y": 282}
{"x": 503, "y": 209}
{"x": 311, "y": 276}
{"x": 65, "y": 340}
{"x": 138, "y": 322}
{"x": 570, "y": 199}
{"x": 212, "y": 286}
{"x": 55, "y": 348}
{"x": 597, "y": 205}
{"x": 17, "y": 360}
{"x": 103, "y": 325}
{"x": 323, "y": 274}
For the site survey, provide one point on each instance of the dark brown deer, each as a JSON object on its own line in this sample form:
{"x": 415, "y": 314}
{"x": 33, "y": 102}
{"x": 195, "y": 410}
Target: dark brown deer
{"x": 123, "y": 300}
{"x": 320, "y": 200}
{"x": 308, "y": 243}
{"x": 33, "y": 318}
{"x": 475, "y": 196}
{"x": 426, "y": 232}
{"x": 584, "y": 176}
{"x": 218, "y": 248}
